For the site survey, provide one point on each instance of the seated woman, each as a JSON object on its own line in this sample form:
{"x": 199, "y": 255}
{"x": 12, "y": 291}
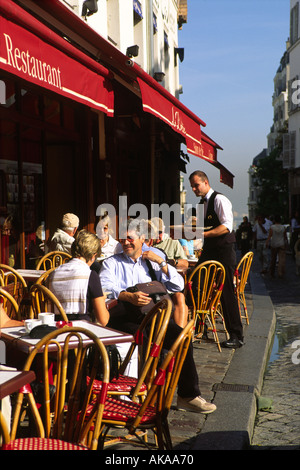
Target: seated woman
{"x": 109, "y": 246}
{"x": 190, "y": 246}
{"x": 78, "y": 288}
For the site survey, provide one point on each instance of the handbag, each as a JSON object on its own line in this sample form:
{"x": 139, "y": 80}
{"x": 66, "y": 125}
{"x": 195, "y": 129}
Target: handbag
{"x": 114, "y": 359}
{"x": 156, "y": 290}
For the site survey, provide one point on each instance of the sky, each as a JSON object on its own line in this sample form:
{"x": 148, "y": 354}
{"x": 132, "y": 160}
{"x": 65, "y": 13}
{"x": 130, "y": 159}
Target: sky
{"x": 232, "y": 50}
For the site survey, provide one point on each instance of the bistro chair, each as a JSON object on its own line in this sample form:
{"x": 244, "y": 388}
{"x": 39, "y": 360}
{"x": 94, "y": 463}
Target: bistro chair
{"x": 14, "y": 283}
{"x": 203, "y": 293}
{"x": 11, "y": 276}
{"x": 152, "y": 413}
{"x": 10, "y": 305}
{"x": 61, "y": 422}
{"x": 148, "y": 341}
{"x": 43, "y": 300}
{"x": 43, "y": 279}
{"x": 53, "y": 259}
{"x": 241, "y": 277}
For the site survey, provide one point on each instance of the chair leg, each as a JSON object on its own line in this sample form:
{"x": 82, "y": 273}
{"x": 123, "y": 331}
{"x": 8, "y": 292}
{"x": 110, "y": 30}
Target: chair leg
{"x": 164, "y": 441}
{"x": 242, "y": 301}
{"x": 212, "y": 322}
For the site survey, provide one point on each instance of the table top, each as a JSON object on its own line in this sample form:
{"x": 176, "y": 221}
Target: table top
{"x": 30, "y": 274}
{"x": 18, "y": 337}
{"x": 12, "y": 380}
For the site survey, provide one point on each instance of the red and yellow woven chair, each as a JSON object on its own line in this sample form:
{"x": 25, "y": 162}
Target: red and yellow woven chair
{"x": 203, "y": 293}
{"x": 10, "y": 305}
{"x": 152, "y": 413}
{"x": 241, "y": 278}
{"x": 148, "y": 341}
{"x": 61, "y": 420}
{"x": 43, "y": 300}
{"x": 14, "y": 283}
{"x": 43, "y": 279}
{"x": 53, "y": 259}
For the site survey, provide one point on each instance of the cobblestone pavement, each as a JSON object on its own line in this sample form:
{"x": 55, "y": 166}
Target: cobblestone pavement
{"x": 278, "y": 427}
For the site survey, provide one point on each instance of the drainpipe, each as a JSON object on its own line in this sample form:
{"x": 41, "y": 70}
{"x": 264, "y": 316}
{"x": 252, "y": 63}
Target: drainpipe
{"x": 150, "y": 66}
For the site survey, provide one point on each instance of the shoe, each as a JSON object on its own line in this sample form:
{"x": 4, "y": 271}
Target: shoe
{"x": 232, "y": 343}
{"x": 197, "y": 405}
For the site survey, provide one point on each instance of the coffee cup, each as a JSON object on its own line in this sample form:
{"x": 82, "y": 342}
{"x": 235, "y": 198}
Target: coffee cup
{"x": 47, "y": 318}
{"x": 31, "y": 323}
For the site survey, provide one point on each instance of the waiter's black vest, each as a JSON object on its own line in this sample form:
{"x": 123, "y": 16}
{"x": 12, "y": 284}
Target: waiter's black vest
{"x": 211, "y": 220}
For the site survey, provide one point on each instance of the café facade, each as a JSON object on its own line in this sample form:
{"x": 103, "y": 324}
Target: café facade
{"x": 81, "y": 124}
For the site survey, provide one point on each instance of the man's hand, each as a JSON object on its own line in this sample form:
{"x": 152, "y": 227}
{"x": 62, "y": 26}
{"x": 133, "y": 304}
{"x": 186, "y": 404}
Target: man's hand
{"x": 151, "y": 256}
{"x": 136, "y": 298}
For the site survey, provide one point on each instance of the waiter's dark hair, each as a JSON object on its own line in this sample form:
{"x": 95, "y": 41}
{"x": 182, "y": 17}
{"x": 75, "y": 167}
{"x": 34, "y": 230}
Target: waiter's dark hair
{"x": 200, "y": 174}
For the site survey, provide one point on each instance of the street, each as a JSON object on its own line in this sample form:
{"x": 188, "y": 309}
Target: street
{"x": 277, "y": 427}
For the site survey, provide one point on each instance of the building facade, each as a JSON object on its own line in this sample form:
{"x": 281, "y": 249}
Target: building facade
{"x": 279, "y": 128}
{"x": 89, "y": 112}
{"x": 291, "y": 150}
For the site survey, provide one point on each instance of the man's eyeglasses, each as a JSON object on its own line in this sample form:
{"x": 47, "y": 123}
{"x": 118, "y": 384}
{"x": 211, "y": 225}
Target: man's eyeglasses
{"x": 129, "y": 239}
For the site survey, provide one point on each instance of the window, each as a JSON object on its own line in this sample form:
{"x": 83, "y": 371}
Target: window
{"x": 294, "y": 19}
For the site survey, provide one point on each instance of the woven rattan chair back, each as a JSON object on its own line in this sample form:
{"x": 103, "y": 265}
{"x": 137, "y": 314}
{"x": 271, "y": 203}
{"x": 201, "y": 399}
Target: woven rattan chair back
{"x": 53, "y": 259}
{"x": 203, "y": 294}
{"x": 153, "y": 412}
{"x": 10, "y": 305}
{"x": 15, "y": 284}
{"x": 43, "y": 279}
{"x": 241, "y": 278}
{"x": 149, "y": 340}
{"x": 43, "y": 300}
{"x": 62, "y": 417}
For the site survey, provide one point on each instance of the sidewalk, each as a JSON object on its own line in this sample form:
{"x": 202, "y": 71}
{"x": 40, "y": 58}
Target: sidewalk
{"x": 231, "y": 379}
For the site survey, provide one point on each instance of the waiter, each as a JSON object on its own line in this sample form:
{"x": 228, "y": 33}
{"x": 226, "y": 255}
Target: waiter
{"x": 219, "y": 245}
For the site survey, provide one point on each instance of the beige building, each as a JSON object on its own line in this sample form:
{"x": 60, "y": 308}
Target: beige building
{"x": 89, "y": 112}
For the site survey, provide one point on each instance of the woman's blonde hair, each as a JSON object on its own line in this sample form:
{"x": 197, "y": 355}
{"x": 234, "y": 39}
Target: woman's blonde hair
{"x": 86, "y": 245}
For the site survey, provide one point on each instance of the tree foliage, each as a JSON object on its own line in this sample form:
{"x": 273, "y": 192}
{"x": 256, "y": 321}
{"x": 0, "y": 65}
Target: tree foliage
{"x": 272, "y": 180}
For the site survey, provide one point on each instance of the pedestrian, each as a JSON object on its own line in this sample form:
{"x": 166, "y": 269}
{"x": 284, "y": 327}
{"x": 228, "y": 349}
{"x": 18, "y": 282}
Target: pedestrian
{"x": 219, "y": 245}
{"x": 244, "y": 234}
{"x": 261, "y": 231}
{"x": 278, "y": 241}
{"x": 295, "y": 230}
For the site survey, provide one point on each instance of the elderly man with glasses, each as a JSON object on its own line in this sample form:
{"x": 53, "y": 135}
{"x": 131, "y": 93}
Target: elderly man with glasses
{"x": 130, "y": 268}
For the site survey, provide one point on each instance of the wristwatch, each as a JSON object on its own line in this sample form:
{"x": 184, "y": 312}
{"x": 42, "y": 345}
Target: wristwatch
{"x": 162, "y": 264}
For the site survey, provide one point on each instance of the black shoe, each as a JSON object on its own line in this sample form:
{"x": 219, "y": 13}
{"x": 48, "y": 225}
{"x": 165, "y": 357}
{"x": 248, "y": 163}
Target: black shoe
{"x": 232, "y": 343}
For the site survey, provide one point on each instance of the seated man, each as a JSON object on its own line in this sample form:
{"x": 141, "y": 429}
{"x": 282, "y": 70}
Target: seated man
{"x": 129, "y": 268}
{"x": 172, "y": 248}
{"x": 180, "y": 308}
{"x": 64, "y": 236}
{"x": 79, "y": 290}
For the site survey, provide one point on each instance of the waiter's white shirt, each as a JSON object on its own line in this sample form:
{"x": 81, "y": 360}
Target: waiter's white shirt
{"x": 223, "y": 209}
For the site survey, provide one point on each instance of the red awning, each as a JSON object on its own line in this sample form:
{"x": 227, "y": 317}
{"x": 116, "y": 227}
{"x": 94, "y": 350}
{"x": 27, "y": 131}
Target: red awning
{"x": 26, "y": 55}
{"x": 226, "y": 176}
{"x": 167, "y": 110}
{"x": 211, "y": 147}
{"x": 159, "y": 102}
{"x": 156, "y": 99}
